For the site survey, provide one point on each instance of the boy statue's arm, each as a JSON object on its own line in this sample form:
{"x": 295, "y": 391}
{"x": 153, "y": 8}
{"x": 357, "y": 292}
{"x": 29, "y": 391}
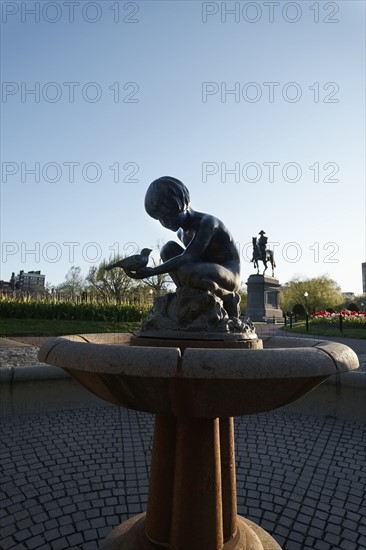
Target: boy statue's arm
{"x": 192, "y": 253}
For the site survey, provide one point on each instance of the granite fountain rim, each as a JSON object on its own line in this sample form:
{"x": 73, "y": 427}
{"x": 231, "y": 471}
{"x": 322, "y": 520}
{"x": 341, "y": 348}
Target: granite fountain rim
{"x": 324, "y": 358}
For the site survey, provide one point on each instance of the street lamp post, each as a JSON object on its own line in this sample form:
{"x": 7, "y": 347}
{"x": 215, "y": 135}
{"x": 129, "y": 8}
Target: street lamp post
{"x": 307, "y": 310}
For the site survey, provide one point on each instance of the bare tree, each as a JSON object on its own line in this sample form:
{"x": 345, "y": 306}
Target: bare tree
{"x": 109, "y": 285}
{"x": 159, "y": 284}
{"x": 74, "y": 282}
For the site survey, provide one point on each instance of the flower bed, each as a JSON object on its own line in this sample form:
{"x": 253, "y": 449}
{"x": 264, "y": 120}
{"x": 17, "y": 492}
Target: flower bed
{"x": 351, "y": 318}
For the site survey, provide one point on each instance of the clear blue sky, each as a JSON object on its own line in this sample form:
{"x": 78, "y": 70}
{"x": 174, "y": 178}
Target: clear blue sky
{"x": 145, "y": 87}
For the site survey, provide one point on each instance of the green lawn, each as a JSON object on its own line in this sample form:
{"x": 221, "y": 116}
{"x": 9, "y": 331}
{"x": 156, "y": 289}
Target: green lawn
{"x": 47, "y": 327}
{"x": 326, "y": 330}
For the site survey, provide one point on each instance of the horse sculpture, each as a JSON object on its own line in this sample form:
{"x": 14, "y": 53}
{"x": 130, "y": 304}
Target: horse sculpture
{"x": 258, "y": 256}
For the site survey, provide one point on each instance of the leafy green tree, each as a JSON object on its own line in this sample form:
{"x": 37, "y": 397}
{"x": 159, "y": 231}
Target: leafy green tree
{"x": 243, "y": 299}
{"x": 352, "y": 306}
{"x": 322, "y": 291}
{"x": 298, "y": 309}
{"x": 358, "y": 301}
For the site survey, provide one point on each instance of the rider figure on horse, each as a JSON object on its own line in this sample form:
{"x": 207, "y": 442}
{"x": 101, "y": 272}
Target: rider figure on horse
{"x": 262, "y": 243}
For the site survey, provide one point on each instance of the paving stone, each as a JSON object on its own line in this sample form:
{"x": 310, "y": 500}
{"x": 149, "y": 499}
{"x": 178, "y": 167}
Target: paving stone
{"x": 322, "y": 545}
{"x": 35, "y": 542}
{"x": 90, "y": 535}
{"x": 8, "y": 530}
{"x": 103, "y": 532}
{"x": 296, "y": 537}
{"x": 7, "y": 520}
{"x": 348, "y": 545}
{"x": 335, "y": 529}
{"x": 8, "y": 543}
{"x": 79, "y": 516}
{"x": 333, "y": 539}
{"x": 301, "y": 528}
{"x": 51, "y": 524}
{"x": 315, "y": 533}
{"x": 65, "y": 520}
{"x": 75, "y": 539}
{"x": 67, "y": 530}
{"x": 20, "y": 536}
{"x": 349, "y": 535}
{"x": 37, "y": 529}
{"x": 83, "y": 525}
{"x": 60, "y": 544}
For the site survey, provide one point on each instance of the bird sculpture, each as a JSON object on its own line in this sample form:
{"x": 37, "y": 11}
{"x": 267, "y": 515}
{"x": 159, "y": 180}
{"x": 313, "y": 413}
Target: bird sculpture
{"x": 132, "y": 263}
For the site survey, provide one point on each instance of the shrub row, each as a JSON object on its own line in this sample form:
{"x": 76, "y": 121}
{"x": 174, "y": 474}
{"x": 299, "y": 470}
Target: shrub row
{"x": 70, "y": 311}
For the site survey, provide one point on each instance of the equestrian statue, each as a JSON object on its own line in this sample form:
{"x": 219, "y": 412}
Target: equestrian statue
{"x": 261, "y": 253}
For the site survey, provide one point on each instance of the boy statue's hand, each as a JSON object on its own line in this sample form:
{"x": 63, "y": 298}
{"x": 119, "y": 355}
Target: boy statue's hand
{"x": 142, "y": 273}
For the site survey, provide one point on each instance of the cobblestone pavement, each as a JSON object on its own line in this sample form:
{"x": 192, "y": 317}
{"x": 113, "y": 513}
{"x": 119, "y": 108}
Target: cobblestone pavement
{"x": 68, "y": 478}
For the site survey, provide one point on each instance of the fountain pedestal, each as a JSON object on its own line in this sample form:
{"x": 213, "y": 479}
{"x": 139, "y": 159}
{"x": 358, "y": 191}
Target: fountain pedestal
{"x": 192, "y": 497}
{"x": 194, "y": 394}
{"x": 191, "y": 453}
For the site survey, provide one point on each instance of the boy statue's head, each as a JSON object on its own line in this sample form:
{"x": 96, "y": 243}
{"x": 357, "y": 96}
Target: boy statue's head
{"x": 166, "y": 195}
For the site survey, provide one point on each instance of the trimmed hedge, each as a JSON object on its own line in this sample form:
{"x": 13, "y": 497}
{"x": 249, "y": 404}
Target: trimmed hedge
{"x": 70, "y": 311}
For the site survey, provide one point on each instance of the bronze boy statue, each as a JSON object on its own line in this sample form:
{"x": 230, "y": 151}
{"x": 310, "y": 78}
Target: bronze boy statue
{"x": 209, "y": 259}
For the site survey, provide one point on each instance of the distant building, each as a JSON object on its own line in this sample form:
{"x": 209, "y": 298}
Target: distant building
{"x": 30, "y": 282}
{"x": 364, "y": 277}
{"x": 8, "y": 286}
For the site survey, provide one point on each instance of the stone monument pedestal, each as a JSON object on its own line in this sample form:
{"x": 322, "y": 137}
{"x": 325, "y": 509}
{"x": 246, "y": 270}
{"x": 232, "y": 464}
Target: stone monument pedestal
{"x": 263, "y": 298}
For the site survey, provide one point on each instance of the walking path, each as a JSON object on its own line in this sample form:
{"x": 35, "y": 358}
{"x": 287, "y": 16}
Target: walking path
{"x": 69, "y": 477}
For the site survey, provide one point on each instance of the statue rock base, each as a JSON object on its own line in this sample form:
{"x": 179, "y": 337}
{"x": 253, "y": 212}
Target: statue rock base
{"x": 194, "y": 314}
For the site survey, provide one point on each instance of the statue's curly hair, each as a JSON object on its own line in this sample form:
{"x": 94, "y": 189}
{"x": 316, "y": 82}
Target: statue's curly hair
{"x": 166, "y": 193}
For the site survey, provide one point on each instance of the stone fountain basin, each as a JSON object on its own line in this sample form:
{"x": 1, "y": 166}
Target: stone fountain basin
{"x": 203, "y": 382}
